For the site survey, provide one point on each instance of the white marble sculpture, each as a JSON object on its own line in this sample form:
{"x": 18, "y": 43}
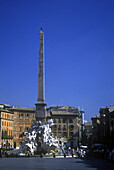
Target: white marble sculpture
{"x": 42, "y": 131}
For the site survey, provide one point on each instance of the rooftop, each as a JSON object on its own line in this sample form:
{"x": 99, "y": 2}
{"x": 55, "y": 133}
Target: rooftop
{"x": 111, "y": 109}
{"x": 107, "y": 107}
{"x": 22, "y": 108}
{"x": 95, "y": 117}
{"x": 5, "y": 110}
{"x": 88, "y": 124}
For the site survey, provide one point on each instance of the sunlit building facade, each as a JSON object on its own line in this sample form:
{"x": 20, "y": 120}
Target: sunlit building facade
{"x": 23, "y": 118}
{"x": 6, "y": 126}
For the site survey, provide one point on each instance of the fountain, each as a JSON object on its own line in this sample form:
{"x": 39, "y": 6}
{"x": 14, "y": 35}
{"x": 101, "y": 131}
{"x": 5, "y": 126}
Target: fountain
{"x": 40, "y": 140}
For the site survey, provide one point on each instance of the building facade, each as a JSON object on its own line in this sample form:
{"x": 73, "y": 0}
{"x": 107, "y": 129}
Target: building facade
{"x": 111, "y": 124}
{"x": 87, "y": 135}
{"x": 95, "y": 129}
{"x": 6, "y": 126}
{"x": 23, "y": 118}
{"x": 105, "y": 125}
{"x": 66, "y": 124}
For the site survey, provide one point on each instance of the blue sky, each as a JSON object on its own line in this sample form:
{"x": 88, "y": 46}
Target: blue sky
{"x": 79, "y": 52}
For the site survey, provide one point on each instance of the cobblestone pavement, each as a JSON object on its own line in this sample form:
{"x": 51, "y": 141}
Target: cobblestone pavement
{"x": 58, "y": 163}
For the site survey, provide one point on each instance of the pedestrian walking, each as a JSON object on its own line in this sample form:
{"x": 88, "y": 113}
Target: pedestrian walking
{"x": 72, "y": 152}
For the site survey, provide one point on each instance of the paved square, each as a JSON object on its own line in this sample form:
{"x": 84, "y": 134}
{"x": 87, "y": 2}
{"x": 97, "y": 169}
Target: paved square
{"x": 36, "y": 163}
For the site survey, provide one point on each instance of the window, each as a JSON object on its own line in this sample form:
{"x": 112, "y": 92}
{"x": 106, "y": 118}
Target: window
{"x": 2, "y": 123}
{"x": 27, "y": 128}
{"x": 59, "y": 135}
{"x": 14, "y": 128}
{"x": 21, "y": 115}
{"x": 32, "y": 121}
{"x": 7, "y": 123}
{"x": 54, "y": 120}
{"x": 55, "y": 126}
{"x": 5, "y": 132}
{"x": 71, "y": 127}
{"x": 59, "y": 121}
{"x": 7, "y": 116}
{"x": 21, "y": 128}
{"x": 21, "y": 121}
{"x": 59, "y": 127}
{"x": 33, "y": 115}
{"x": 64, "y": 127}
{"x": 70, "y": 120}
{"x": 27, "y": 114}
{"x": 27, "y": 121}
{"x": 64, "y": 134}
{"x": 64, "y": 120}
{"x": 71, "y": 134}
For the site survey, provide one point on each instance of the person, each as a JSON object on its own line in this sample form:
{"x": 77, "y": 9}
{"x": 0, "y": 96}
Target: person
{"x": 64, "y": 154}
{"x": 41, "y": 155}
{"x": 72, "y": 152}
{"x": 53, "y": 155}
{"x": 68, "y": 151}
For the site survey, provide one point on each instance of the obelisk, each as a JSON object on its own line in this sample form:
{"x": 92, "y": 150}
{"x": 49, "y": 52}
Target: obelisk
{"x": 40, "y": 105}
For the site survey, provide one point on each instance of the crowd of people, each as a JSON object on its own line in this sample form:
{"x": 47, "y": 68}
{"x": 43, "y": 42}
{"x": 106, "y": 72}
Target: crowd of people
{"x": 74, "y": 152}
{"x": 105, "y": 154}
